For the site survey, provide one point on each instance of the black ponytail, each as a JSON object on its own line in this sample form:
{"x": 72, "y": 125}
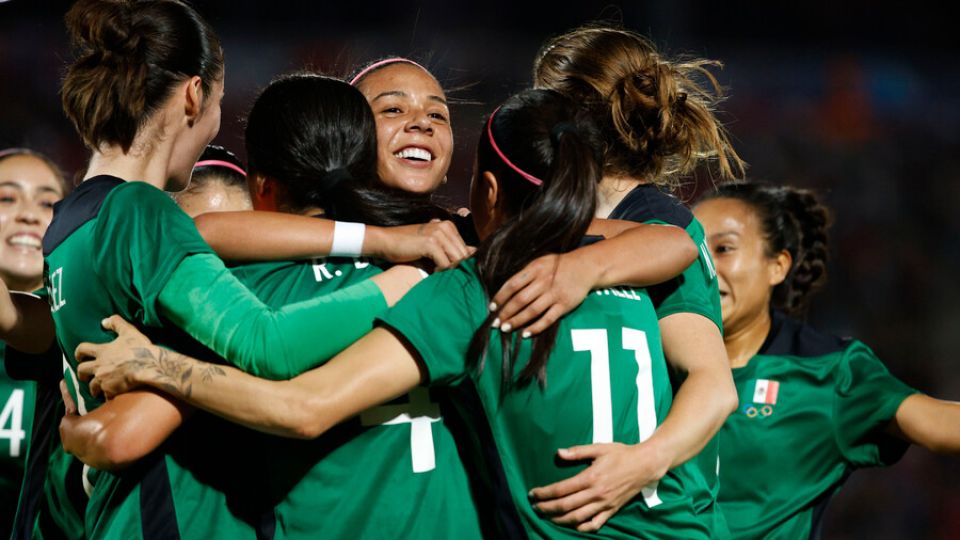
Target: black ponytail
{"x": 547, "y": 170}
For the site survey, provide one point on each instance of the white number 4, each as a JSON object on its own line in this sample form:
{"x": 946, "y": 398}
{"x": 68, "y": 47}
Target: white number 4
{"x": 420, "y": 413}
{"x": 595, "y": 341}
{"x": 13, "y": 414}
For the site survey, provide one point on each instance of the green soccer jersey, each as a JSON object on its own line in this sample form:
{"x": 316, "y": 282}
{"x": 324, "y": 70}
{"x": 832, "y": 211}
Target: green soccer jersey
{"x": 17, "y": 400}
{"x": 124, "y": 248}
{"x": 393, "y": 472}
{"x": 52, "y": 500}
{"x": 694, "y": 291}
{"x": 606, "y": 381}
{"x": 813, "y": 408}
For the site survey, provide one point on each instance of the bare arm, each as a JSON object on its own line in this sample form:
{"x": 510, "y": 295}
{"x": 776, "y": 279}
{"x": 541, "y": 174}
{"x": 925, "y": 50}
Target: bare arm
{"x": 693, "y": 344}
{"x": 375, "y": 369}
{"x": 554, "y": 285}
{"x": 122, "y": 430}
{"x": 258, "y": 236}
{"x": 25, "y": 321}
{"x": 929, "y": 422}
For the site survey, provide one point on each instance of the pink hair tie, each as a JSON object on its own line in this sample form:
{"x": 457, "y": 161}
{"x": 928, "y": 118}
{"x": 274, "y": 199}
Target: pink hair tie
{"x": 533, "y": 179}
{"x": 381, "y": 63}
{"x": 219, "y": 163}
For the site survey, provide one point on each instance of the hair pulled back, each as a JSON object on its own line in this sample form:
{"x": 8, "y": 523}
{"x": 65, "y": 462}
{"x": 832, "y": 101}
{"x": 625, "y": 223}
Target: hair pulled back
{"x": 230, "y": 177}
{"x": 794, "y": 220}
{"x": 541, "y": 134}
{"x": 316, "y": 136}
{"x": 656, "y": 115}
{"x": 129, "y": 56}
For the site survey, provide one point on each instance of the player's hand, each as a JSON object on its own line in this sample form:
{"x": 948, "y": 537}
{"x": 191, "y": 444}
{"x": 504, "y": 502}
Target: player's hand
{"x": 617, "y": 474}
{"x": 437, "y": 241}
{"x": 115, "y": 367}
{"x": 546, "y": 289}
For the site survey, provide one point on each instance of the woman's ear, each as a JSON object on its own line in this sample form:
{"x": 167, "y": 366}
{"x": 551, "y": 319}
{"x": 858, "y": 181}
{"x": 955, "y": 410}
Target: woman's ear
{"x": 265, "y": 191}
{"x": 193, "y": 99}
{"x": 490, "y": 190}
{"x": 778, "y": 268}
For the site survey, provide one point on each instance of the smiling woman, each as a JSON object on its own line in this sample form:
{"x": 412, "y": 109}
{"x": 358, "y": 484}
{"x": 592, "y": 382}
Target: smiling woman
{"x": 414, "y": 137}
{"x": 30, "y": 184}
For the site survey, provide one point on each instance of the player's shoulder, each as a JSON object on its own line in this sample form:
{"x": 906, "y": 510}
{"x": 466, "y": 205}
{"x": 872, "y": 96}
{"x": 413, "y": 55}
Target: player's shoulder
{"x": 647, "y": 203}
{"x": 77, "y": 208}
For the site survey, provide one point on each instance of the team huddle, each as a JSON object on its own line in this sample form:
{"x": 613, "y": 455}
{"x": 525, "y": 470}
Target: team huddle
{"x": 310, "y": 345}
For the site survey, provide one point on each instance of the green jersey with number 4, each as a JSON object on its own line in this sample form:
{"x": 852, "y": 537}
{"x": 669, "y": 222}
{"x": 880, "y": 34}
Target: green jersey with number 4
{"x": 392, "y": 472}
{"x": 606, "y": 381}
{"x": 813, "y": 408}
{"x": 17, "y": 400}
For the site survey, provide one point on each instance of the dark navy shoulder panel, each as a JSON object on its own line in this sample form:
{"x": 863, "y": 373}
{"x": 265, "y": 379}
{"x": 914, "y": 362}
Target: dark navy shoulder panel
{"x": 76, "y": 209}
{"x": 790, "y": 337}
{"x": 646, "y": 202}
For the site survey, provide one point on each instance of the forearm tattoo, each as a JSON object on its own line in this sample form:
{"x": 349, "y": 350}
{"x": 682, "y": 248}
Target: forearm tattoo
{"x": 172, "y": 371}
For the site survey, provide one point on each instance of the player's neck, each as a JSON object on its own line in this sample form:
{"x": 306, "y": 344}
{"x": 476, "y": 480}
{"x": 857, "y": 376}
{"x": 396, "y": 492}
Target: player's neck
{"x": 611, "y": 192}
{"x": 744, "y": 343}
{"x": 142, "y": 162}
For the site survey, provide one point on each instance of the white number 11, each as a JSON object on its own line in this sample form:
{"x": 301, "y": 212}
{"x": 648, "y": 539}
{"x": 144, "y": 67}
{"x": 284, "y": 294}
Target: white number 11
{"x": 595, "y": 342}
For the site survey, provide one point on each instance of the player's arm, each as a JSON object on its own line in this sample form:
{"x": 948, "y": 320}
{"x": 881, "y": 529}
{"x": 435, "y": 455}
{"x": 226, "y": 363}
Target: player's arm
{"x": 254, "y": 235}
{"x": 122, "y": 430}
{"x": 553, "y": 285}
{"x": 25, "y": 321}
{"x": 375, "y": 369}
{"x": 928, "y": 422}
{"x": 693, "y": 345}
{"x": 206, "y": 300}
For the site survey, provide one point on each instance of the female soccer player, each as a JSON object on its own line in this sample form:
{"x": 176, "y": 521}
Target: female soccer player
{"x": 522, "y": 398}
{"x": 30, "y": 184}
{"x": 657, "y": 122}
{"x": 218, "y": 184}
{"x": 311, "y": 143}
{"x": 813, "y": 407}
{"x": 144, "y": 94}
{"x": 414, "y": 136}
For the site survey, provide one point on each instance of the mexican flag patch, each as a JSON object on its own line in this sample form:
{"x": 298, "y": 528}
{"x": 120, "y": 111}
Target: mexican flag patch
{"x": 765, "y": 391}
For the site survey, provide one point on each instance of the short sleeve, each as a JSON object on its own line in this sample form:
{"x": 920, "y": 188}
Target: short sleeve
{"x": 438, "y": 318}
{"x": 695, "y": 290}
{"x": 866, "y": 399}
{"x": 140, "y": 238}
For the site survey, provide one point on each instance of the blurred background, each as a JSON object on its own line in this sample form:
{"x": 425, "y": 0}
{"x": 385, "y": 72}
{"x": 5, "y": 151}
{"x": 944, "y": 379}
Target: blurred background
{"x": 859, "y": 102}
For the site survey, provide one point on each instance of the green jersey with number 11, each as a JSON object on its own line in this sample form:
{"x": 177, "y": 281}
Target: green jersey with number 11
{"x": 606, "y": 381}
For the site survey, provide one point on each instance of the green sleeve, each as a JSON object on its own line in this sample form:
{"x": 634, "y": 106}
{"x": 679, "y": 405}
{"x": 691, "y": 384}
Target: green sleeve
{"x": 437, "y": 319}
{"x": 696, "y": 289}
{"x": 866, "y": 399}
{"x": 140, "y": 238}
{"x": 208, "y": 302}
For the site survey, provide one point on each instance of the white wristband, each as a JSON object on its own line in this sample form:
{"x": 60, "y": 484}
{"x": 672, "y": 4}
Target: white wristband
{"x": 347, "y": 239}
